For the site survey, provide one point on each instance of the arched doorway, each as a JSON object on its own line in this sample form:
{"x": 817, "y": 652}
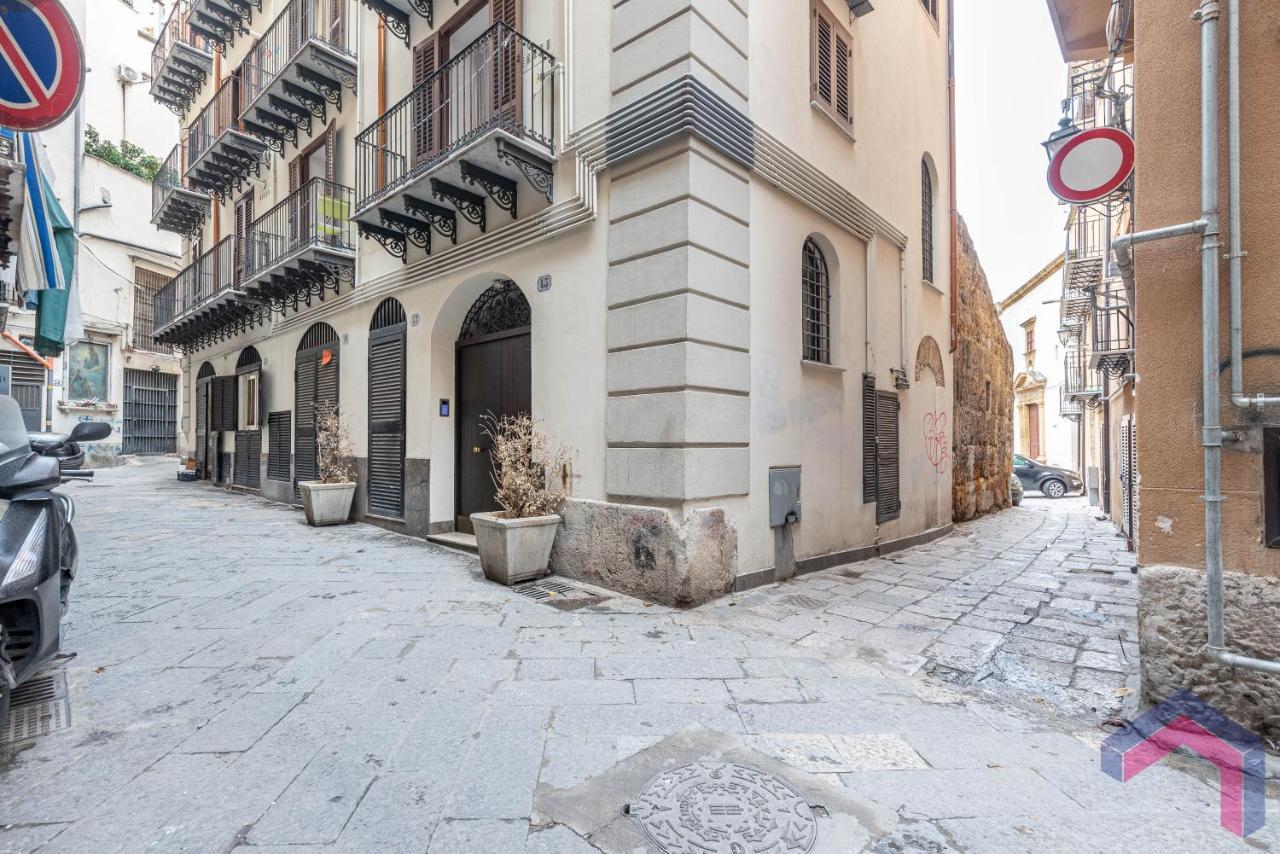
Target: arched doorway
{"x": 315, "y": 381}
{"x": 204, "y": 436}
{"x": 494, "y": 375}
{"x": 385, "y": 483}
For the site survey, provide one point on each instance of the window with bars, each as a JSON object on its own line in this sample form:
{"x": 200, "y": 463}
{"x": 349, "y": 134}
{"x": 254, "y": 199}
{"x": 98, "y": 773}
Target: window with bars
{"x": 926, "y": 220}
{"x": 815, "y": 284}
{"x": 831, "y": 66}
{"x": 930, "y": 6}
{"x": 146, "y": 284}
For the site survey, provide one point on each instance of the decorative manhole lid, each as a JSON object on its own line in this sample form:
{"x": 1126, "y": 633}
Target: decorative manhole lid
{"x": 723, "y": 808}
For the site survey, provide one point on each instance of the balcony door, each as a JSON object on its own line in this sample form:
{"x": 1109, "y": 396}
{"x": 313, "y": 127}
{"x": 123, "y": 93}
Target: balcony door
{"x": 315, "y": 162}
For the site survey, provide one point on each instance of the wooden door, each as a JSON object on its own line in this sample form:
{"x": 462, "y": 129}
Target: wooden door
{"x": 315, "y": 383}
{"x": 494, "y": 376}
{"x": 1033, "y": 431}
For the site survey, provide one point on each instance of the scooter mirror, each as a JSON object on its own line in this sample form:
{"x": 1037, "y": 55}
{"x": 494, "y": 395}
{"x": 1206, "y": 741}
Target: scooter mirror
{"x": 90, "y": 431}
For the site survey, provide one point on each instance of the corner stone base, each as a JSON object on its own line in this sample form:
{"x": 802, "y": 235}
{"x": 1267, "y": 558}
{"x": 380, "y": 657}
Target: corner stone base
{"x": 1172, "y": 634}
{"x": 645, "y": 552}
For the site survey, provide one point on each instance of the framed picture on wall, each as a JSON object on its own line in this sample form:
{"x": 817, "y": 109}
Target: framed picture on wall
{"x": 87, "y": 371}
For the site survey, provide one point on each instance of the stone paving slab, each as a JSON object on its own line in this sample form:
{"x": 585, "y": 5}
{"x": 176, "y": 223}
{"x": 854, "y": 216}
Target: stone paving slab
{"x": 245, "y": 683}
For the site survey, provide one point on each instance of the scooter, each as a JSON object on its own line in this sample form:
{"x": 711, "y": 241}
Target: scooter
{"x": 38, "y": 550}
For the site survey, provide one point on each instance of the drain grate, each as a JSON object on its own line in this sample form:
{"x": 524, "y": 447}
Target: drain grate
{"x": 808, "y": 603}
{"x": 39, "y": 707}
{"x": 557, "y": 594}
{"x": 723, "y": 807}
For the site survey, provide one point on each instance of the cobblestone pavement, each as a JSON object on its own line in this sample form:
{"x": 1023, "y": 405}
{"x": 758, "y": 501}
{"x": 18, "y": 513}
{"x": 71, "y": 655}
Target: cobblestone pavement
{"x": 244, "y": 683}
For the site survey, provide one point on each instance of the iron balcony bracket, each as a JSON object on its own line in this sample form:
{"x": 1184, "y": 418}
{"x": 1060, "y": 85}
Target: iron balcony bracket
{"x": 537, "y": 171}
{"x": 470, "y": 205}
{"x": 393, "y": 241}
{"x": 300, "y": 116}
{"x": 396, "y": 21}
{"x": 443, "y": 220}
{"x": 417, "y": 231}
{"x": 500, "y": 188}
{"x": 310, "y": 100}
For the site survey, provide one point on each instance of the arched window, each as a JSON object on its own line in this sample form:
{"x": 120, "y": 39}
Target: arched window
{"x": 926, "y": 220}
{"x": 815, "y": 284}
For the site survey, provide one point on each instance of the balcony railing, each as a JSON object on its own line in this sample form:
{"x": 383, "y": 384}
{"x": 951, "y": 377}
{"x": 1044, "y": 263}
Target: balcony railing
{"x": 316, "y": 216}
{"x": 331, "y": 24}
{"x": 219, "y": 115}
{"x": 180, "y": 60}
{"x": 1070, "y": 407}
{"x": 1087, "y": 237}
{"x": 1112, "y": 331}
{"x": 176, "y": 205}
{"x": 1079, "y": 380}
{"x": 501, "y": 81}
{"x": 210, "y": 274}
{"x": 1087, "y": 110}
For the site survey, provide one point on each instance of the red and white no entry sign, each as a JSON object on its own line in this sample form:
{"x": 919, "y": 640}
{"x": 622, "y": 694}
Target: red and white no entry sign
{"x": 41, "y": 64}
{"x": 1091, "y": 165}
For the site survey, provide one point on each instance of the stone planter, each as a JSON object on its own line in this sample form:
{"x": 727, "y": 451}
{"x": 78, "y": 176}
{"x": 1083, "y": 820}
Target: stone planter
{"x": 514, "y": 550}
{"x": 327, "y": 503}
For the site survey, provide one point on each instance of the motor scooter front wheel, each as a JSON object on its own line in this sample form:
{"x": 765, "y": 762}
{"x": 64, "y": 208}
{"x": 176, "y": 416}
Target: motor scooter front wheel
{"x": 4, "y": 706}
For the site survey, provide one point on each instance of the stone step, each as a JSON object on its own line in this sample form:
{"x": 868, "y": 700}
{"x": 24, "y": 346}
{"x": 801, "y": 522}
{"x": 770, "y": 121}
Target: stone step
{"x": 455, "y": 540}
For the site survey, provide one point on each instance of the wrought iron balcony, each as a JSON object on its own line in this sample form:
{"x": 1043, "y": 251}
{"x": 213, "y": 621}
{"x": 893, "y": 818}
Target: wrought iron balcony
{"x": 298, "y": 69}
{"x": 1070, "y": 407}
{"x": 1087, "y": 236}
{"x": 180, "y": 61}
{"x": 220, "y": 155}
{"x": 1079, "y": 281}
{"x": 220, "y": 21}
{"x": 203, "y": 304}
{"x": 12, "y": 194}
{"x": 395, "y": 14}
{"x": 175, "y": 205}
{"x": 1112, "y": 332}
{"x": 1079, "y": 381}
{"x": 1086, "y": 109}
{"x": 301, "y": 248}
{"x": 465, "y": 140}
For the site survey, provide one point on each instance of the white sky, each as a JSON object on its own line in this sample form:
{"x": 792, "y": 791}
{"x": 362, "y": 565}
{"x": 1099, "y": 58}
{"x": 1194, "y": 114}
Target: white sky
{"x": 1010, "y": 79}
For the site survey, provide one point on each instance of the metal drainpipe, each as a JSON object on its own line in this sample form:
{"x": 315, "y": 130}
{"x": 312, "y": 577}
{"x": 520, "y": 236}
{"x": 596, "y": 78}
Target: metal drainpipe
{"x": 1236, "y": 253}
{"x": 1216, "y": 648}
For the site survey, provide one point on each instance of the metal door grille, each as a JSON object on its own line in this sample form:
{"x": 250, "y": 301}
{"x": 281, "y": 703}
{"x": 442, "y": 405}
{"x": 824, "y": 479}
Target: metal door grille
{"x": 278, "y": 429}
{"x": 27, "y": 387}
{"x": 248, "y": 466}
{"x": 150, "y": 412}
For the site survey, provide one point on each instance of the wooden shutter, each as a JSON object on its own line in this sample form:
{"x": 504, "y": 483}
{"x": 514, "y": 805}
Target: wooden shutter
{"x": 222, "y": 418}
{"x": 295, "y": 174}
{"x": 248, "y": 461}
{"x": 202, "y": 424}
{"x": 278, "y": 448}
{"x": 506, "y": 11}
{"x": 386, "y": 421}
{"x": 868, "y": 439}
{"x": 304, "y": 425}
{"x": 330, "y": 144}
{"x": 508, "y": 71}
{"x": 831, "y": 66}
{"x": 244, "y": 219}
{"x": 337, "y": 23}
{"x": 424, "y": 102}
{"x": 888, "y": 496}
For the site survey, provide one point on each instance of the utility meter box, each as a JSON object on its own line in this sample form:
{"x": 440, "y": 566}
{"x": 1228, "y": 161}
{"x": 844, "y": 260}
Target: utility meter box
{"x": 784, "y": 496}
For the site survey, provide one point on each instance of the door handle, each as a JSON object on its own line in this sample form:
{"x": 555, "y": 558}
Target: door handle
{"x": 476, "y": 449}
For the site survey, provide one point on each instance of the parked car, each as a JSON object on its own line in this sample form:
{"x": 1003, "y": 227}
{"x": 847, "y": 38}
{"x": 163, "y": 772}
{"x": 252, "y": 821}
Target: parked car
{"x": 1016, "y": 492}
{"x": 1051, "y": 481}
{"x": 69, "y": 454}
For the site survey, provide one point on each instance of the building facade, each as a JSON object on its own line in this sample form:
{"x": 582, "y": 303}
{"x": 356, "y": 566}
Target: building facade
{"x": 1210, "y": 481}
{"x": 703, "y": 243}
{"x": 98, "y": 167}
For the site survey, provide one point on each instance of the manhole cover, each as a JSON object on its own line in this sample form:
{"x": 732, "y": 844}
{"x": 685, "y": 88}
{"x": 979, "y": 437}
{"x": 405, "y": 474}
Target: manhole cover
{"x": 723, "y": 808}
{"x": 808, "y": 603}
{"x": 37, "y": 708}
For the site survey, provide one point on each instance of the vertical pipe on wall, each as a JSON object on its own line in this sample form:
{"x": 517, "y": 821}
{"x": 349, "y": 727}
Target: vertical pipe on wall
{"x": 869, "y": 351}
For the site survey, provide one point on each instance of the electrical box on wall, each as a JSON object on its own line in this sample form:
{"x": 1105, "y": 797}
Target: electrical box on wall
{"x": 784, "y": 496}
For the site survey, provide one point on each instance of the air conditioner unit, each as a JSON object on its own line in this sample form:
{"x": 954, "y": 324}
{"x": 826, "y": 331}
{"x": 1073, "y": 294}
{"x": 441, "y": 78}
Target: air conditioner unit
{"x": 128, "y": 75}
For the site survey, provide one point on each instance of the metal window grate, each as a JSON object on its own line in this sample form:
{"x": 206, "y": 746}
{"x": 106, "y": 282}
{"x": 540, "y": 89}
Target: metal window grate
{"x": 816, "y": 294}
{"x": 926, "y": 221}
{"x": 150, "y": 412}
{"x": 146, "y": 285}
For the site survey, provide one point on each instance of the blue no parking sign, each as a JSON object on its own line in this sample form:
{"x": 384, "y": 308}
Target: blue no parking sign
{"x": 41, "y": 64}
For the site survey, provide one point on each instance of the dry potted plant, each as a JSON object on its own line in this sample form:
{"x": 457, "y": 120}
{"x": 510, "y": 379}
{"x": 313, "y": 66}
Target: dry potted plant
{"x": 515, "y": 543}
{"x": 327, "y": 500}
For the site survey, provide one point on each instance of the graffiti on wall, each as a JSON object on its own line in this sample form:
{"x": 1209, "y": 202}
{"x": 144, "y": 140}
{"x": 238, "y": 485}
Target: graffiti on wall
{"x": 936, "y": 446}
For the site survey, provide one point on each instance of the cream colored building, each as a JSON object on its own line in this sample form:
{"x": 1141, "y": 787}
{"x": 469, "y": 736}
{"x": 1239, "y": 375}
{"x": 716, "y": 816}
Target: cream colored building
{"x": 703, "y": 240}
{"x": 117, "y": 373}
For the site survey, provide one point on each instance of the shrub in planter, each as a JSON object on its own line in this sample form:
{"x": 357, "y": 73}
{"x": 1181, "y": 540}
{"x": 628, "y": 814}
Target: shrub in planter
{"x": 327, "y": 500}
{"x": 515, "y": 543}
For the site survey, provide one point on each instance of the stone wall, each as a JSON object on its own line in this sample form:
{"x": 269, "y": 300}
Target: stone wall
{"x": 982, "y": 449}
{"x": 1172, "y": 634}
